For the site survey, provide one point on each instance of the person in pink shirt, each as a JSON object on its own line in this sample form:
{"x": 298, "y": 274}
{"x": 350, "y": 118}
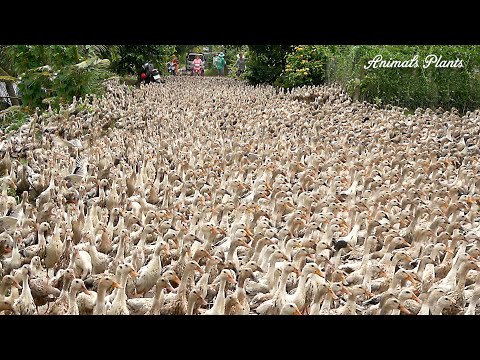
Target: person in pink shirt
{"x": 197, "y": 65}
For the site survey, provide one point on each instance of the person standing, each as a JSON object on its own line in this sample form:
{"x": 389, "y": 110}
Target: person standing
{"x": 240, "y": 64}
{"x": 175, "y": 64}
{"x": 220, "y": 64}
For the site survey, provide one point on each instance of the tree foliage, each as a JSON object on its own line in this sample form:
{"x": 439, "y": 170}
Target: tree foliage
{"x": 266, "y": 63}
{"x": 132, "y": 57}
{"x": 53, "y": 74}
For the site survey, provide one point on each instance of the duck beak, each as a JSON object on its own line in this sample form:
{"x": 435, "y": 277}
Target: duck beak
{"x": 249, "y": 233}
{"x": 203, "y": 302}
{"x": 369, "y": 294}
{"x": 116, "y": 285}
{"x": 416, "y": 298}
{"x": 170, "y": 288}
{"x": 412, "y": 280}
{"x": 199, "y": 269}
{"x": 231, "y": 280}
{"x": 334, "y": 296}
{"x": 404, "y": 310}
{"x": 246, "y": 244}
{"x": 406, "y": 243}
{"x": 167, "y": 251}
{"x": 176, "y": 279}
{"x": 319, "y": 273}
{"x": 289, "y": 205}
{"x": 133, "y": 274}
{"x": 346, "y": 291}
{"x": 296, "y": 312}
{"x": 296, "y": 271}
{"x": 84, "y": 290}
{"x": 17, "y": 285}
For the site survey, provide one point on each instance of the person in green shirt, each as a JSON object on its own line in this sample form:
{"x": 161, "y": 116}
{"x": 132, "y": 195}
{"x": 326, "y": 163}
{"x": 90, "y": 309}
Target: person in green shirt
{"x": 220, "y": 64}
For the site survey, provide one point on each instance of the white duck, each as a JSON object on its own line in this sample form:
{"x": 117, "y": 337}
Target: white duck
{"x": 149, "y": 273}
{"x": 24, "y": 304}
{"x": 119, "y": 303}
{"x": 298, "y": 297}
{"x": 218, "y": 307}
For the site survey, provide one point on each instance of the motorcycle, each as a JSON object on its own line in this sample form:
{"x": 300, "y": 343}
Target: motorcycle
{"x": 149, "y": 74}
{"x": 171, "y": 68}
{"x": 197, "y": 69}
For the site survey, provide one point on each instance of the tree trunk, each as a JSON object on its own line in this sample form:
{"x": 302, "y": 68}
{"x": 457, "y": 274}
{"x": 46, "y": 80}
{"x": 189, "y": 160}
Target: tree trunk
{"x": 11, "y": 93}
{"x": 10, "y": 88}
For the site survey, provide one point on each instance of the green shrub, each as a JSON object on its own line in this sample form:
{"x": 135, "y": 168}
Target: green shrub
{"x": 12, "y": 119}
{"x": 410, "y": 87}
{"x": 53, "y": 74}
{"x": 266, "y": 63}
{"x": 306, "y": 65}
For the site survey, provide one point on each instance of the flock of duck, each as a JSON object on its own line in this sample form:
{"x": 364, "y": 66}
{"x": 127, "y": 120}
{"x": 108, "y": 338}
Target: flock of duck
{"x": 209, "y": 196}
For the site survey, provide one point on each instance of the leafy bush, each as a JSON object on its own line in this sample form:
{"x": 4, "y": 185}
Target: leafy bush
{"x": 53, "y": 74}
{"x": 306, "y": 65}
{"x": 410, "y": 87}
{"x": 12, "y": 119}
{"x": 266, "y": 63}
{"x": 132, "y": 57}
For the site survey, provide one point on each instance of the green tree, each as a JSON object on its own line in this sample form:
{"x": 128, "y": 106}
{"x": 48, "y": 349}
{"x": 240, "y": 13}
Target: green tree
{"x": 267, "y": 63}
{"x": 132, "y": 57}
{"x": 51, "y": 74}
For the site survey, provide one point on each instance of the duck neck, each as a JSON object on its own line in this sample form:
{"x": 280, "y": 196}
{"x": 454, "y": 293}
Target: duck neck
{"x": 327, "y": 303}
{"x": 143, "y": 240}
{"x": 3, "y": 289}
{"x": 100, "y": 302}
{"x": 386, "y": 309}
{"x": 72, "y": 295}
{"x": 271, "y": 269}
{"x": 25, "y": 286}
{"x": 282, "y": 287}
{"x": 317, "y": 302}
{"x": 453, "y": 272}
{"x": 394, "y": 283}
{"x": 366, "y": 256}
{"x": 182, "y": 288}
{"x": 300, "y": 292}
{"x": 42, "y": 241}
{"x": 393, "y": 265}
{"x": 231, "y": 252}
{"x": 299, "y": 260}
{"x": 437, "y": 309}
{"x": 336, "y": 259}
{"x": 158, "y": 300}
{"x": 461, "y": 279}
{"x": 368, "y": 276}
{"x": 473, "y": 305}
{"x": 191, "y": 305}
{"x": 219, "y": 305}
{"x": 205, "y": 276}
{"x": 120, "y": 250}
{"x": 259, "y": 250}
{"x": 94, "y": 253}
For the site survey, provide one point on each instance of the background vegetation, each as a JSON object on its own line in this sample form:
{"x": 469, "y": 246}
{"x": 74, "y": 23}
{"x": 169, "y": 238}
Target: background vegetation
{"x": 408, "y": 87}
{"x": 50, "y": 75}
